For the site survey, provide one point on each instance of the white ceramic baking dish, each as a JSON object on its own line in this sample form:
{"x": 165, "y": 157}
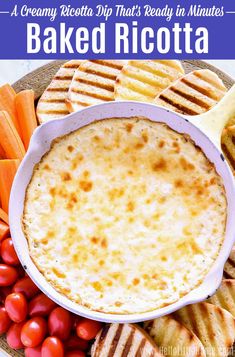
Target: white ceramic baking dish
{"x": 205, "y": 131}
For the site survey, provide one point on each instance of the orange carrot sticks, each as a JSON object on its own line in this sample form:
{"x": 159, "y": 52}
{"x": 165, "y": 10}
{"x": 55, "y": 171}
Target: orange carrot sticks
{"x": 8, "y": 170}
{"x": 26, "y": 114}
{"x": 4, "y": 230}
{"x": 2, "y": 153}
{"x": 7, "y": 103}
{"x": 4, "y": 216}
{"x": 9, "y": 138}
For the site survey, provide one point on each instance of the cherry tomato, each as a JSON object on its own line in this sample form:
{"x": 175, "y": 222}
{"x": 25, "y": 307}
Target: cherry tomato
{"x": 75, "y": 353}
{"x": 33, "y": 332}
{"x": 88, "y": 329}
{"x": 8, "y": 275}
{"x": 16, "y": 307}
{"x": 41, "y": 305}
{"x": 74, "y": 342}
{"x": 33, "y": 351}
{"x": 76, "y": 319}
{"x": 52, "y": 347}
{"x": 4, "y": 292}
{"x": 8, "y": 252}
{"x": 60, "y": 323}
{"x": 13, "y": 336}
{"x": 26, "y": 286}
{"x": 5, "y": 321}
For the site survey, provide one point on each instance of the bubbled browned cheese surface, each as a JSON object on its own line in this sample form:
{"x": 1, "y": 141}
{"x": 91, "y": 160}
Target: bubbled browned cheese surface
{"x": 124, "y": 215}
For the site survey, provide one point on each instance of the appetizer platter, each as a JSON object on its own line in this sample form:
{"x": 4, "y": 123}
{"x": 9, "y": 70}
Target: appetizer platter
{"x": 89, "y": 226}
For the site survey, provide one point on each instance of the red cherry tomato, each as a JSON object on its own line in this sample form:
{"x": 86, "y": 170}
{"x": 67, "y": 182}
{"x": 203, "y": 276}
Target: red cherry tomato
{"x": 52, "y": 347}
{"x": 5, "y": 321}
{"x": 16, "y": 307}
{"x": 33, "y": 351}
{"x": 13, "y": 336}
{"x": 8, "y": 252}
{"x": 76, "y": 319}
{"x": 75, "y": 353}
{"x": 60, "y": 323}
{"x": 74, "y": 342}
{"x": 88, "y": 329}
{"x": 26, "y": 286}
{"x": 33, "y": 332}
{"x": 41, "y": 305}
{"x": 8, "y": 275}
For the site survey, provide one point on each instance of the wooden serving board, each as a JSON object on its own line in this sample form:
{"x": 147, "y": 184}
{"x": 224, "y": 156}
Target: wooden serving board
{"x": 39, "y": 79}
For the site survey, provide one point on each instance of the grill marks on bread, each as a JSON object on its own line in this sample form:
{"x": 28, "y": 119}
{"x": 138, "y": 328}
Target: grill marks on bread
{"x": 229, "y": 268}
{"x": 195, "y": 93}
{"x": 228, "y": 144}
{"x": 93, "y": 83}
{"x": 122, "y": 340}
{"x": 174, "y": 338}
{"x": 143, "y": 80}
{"x": 214, "y": 326}
{"x": 52, "y": 104}
{"x": 225, "y": 296}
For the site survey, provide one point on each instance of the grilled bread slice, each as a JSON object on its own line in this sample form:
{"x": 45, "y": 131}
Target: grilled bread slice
{"x": 228, "y": 145}
{"x": 229, "y": 268}
{"x": 143, "y": 80}
{"x": 225, "y": 296}
{"x": 230, "y": 122}
{"x": 93, "y": 83}
{"x": 122, "y": 340}
{"x": 193, "y": 94}
{"x": 214, "y": 326}
{"x": 52, "y": 105}
{"x": 173, "y": 338}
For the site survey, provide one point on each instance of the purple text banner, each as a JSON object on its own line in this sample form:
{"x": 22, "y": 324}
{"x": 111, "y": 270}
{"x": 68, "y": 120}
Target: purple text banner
{"x": 57, "y": 29}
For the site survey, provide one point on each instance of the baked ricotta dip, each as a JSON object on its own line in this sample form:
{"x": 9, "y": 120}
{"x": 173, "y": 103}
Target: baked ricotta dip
{"x": 124, "y": 215}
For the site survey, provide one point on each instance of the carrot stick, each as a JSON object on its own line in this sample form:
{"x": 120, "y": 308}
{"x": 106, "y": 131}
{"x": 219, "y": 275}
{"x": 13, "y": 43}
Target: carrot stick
{"x": 26, "y": 114}
{"x": 2, "y": 153}
{"x": 4, "y": 230}
{"x": 4, "y": 216}
{"x": 8, "y": 170}
{"x": 9, "y": 138}
{"x": 7, "y": 103}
